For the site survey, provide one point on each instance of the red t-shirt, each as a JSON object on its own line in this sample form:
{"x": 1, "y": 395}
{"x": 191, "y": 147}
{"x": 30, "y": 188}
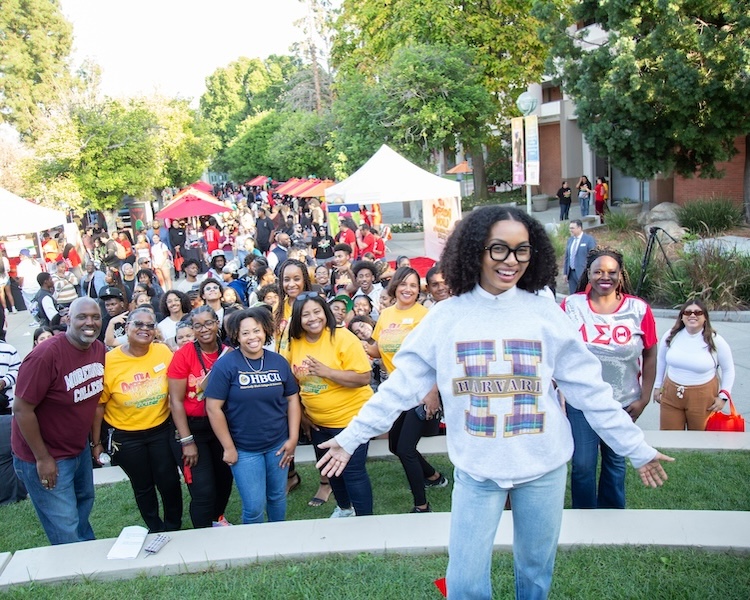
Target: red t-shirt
{"x": 378, "y": 248}
{"x": 185, "y": 365}
{"x": 369, "y": 241}
{"x": 211, "y": 235}
{"x": 64, "y": 383}
{"x": 347, "y": 237}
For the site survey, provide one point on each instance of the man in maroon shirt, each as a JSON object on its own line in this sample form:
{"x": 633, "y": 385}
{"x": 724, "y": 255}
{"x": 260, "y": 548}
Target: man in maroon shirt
{"x": 57, "y": 392}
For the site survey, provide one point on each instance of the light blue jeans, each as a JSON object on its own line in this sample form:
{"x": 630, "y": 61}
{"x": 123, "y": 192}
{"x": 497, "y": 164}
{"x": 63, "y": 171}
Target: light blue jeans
{"x": 475, "y": 515}
{"x": 261, "y": 484}
{"x": 64, "y": 510}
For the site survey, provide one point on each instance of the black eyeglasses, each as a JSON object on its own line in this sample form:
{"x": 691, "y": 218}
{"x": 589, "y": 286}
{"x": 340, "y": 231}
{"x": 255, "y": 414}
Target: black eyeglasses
{"x": 693, "y": 313}
{"x": 501, "y": 252}
{"x": 211, "y": 288}
{"x": 306, "y": 296}
{"x": 142, "y": 325}
{"x": 204, "y": 325}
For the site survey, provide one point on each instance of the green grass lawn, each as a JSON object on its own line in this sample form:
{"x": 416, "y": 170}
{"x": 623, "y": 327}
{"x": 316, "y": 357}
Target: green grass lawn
{"x": 698, "y": 481}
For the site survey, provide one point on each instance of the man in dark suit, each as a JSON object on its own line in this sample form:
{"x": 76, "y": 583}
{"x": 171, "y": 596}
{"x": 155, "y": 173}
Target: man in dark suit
{"x": 577, "y": 248}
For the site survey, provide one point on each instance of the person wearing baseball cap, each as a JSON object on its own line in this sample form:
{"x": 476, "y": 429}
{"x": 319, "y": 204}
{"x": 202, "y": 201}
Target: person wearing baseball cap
{"x": 115, "y": 315}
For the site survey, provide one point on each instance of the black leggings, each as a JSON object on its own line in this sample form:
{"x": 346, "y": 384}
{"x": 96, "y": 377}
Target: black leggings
{"x": 212, "y": 477}
{"x": 147, "y": 459}
{"x": 402, "y": 441}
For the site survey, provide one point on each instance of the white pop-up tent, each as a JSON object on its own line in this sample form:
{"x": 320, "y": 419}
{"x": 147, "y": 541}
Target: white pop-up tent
{"x": 20, "y": 216}
{"x": 389, "y": 177}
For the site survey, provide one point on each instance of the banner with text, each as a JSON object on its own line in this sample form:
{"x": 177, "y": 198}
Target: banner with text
{"x": 516, "y": 133}
{"x": 440, "y": 216}
{"x": 532, "y": 150}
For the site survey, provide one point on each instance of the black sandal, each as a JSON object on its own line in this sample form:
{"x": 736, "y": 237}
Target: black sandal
{"x": 315, "y": 502}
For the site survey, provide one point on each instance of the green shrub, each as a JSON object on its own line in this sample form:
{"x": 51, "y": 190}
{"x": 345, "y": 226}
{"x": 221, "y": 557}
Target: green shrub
{"x": 710, "y": 216}
{"x": 620, "y": 221}
{"x": 518, "y": 195}
{"x": 407, "y": 227}
{"x": 719, "y": 277}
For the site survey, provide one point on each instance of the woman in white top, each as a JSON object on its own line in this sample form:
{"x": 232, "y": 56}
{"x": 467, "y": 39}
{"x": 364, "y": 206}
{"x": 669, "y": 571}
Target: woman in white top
{"x": 161, "y": 260}
{"x": 687, "y": 385}
{"x": 176, "y": 305}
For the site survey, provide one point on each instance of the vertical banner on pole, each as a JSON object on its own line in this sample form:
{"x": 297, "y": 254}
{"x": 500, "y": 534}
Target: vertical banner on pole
{"x": 516, "y": 133}
{"x": 532, "y": 150}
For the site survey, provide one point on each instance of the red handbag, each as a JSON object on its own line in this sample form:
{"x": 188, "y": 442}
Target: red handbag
{"x": 734, "y": 421}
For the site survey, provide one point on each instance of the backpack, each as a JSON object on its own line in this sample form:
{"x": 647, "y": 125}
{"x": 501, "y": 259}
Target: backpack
{"x": 120, "y": 251}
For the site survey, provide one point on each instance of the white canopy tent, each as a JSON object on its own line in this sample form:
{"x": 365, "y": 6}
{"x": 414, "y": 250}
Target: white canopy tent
{"x": 389, "y": 177}
{"x": 20, "y": 216}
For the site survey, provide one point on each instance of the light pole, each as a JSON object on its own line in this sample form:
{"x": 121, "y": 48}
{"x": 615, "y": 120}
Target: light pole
{"x": 527, "y": 104}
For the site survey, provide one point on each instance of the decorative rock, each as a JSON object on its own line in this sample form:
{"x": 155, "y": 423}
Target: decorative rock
{"x": 666, "y": 211}
{"x": 671, "y": 227}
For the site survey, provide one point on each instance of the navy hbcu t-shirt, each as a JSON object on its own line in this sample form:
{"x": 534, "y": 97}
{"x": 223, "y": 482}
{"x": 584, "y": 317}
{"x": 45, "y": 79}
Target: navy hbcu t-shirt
{"x": 255, "y": 403}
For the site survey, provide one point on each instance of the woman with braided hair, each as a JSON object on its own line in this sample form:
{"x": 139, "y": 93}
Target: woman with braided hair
{"x": 620, "y": 330}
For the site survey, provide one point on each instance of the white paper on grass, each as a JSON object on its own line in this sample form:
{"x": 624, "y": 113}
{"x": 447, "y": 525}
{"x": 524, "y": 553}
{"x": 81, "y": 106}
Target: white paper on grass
{"x": 129, "y": 543}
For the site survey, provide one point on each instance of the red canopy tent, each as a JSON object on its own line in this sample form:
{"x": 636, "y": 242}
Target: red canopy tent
{"x": 288, "y": 185}
{"x": 257, "y": 181}
{"x": 203, "y": 187}
{"x": 318, "y": 190}
{"x": 302, "y": 186}
{"x": 192, "y": 202}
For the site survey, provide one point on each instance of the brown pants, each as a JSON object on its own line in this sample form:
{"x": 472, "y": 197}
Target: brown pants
{"x": 686, "y": 405}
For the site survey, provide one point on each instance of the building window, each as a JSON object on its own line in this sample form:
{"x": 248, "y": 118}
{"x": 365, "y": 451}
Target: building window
{"x": 551, "y": 94}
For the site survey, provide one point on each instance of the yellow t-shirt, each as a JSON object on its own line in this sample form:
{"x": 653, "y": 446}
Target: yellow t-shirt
{"x": 327, "y": 403}
{"x": 392, "y": 328}
{"x": 282, "y": 331}
{"x": 135, "y": 389}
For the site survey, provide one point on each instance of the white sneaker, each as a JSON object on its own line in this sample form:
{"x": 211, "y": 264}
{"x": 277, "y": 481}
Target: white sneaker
{"x": 341, "y": 513}
{"x": 15, "y": 310}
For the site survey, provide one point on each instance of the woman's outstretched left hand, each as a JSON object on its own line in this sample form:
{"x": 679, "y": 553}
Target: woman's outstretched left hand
{"x": 334, "y": 461}
{"x": 652, "y": 473}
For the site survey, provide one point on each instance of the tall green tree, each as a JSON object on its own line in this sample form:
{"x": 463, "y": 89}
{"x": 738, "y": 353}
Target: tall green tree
{"x": 248, "y": 154}
{"x": 245, "y": 87}
{"x": 299, "y": 147}
{"x": 91, "y": 156}
{"x": 435, "y": 96}
{"x": 502, "y": 35}
{"x": 35, "y": 43}
{"x": 667, "y": 91}
{"x": 184, "y": 143}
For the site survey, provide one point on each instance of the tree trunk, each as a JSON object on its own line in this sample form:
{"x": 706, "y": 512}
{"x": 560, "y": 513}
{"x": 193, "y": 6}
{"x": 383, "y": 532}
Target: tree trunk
{"x": 746, "y": 180}
{"x": 480, "y": 173}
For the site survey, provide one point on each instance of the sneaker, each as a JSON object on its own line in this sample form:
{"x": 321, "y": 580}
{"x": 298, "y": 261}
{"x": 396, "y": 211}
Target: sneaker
{"x": 440, "y": 482}
{"x": 221, "y": 522}
{"x": 416, "y": 509}
{"x": 341, "y": 513}
{"x": 14, "y": 310}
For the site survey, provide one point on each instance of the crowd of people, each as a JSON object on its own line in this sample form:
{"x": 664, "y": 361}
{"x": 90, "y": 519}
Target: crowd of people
{"x": 216, "y": 370}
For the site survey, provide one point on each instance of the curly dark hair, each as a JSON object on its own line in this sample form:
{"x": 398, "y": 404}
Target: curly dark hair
{"x": 306, "y": 285}
{"x": 182, "y": 297}
{"x": 365, "y": 265}
{"x": 462, "y": 256}
{"x": 623, "y": 285}
{"x": 261, "y": 314}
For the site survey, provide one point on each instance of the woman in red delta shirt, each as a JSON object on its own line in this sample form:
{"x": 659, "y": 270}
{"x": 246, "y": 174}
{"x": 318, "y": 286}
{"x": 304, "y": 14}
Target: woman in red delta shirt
{"x": 620, "y": 331}
{"x": 210, "y": 478}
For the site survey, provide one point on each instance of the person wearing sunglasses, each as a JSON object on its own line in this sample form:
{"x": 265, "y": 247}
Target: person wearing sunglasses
{"x": 197, "y": 448}
{"x": 687, "y": 382}
{"x": 334, "y": 376}
{"x": 620, "y": 331}
{"x": 133, "y": 423}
